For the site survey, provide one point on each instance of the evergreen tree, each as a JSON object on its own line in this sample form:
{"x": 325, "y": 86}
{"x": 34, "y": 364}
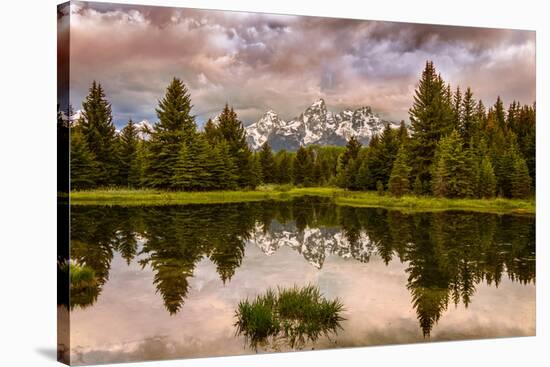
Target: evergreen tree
{"x": 303, "y": 167}
{"x": 194, "y": 169}
{"x": 512, "y": 116}
{"x": 317, "y": 174}
{"x": 346, "y": 171}
{"x": 284, "y": 167}
{"x": 129, "y": 171}
{"x": 351, "y": 174}
{"x": 353, "y": 147}
{"x": 487, "y": 180}
{"x": 520, "y": 180}
{"x": 399, "y": 178}
{"x": 176, "y": 128}
{"x": 457, "y": 109}
{"x": 231, "y": 130}
{"x": 481, "y": 115}
{"x": 524, "y": 126}
{"x": 363, "y": 178}
{"x": 403, "y": 133}
{"x": 439, "y": 175}
{"x": 500, "y": 115}
{"x": 222, "y": 167}
{"x": 387, "y": 153}
{"x": 212, "y": 133}
{"x": 452, "y": 172}
{"x": 418, "y": 189}
{"x": 504, "y": 165}
{"x": 373, "y": 163}
{"x": 468, "y": 125}
{"x": 267, "y": 164}
{"x": 83, "y": 164}
{"x": 325, "y": 168}
{"x": 141, "y": 159}
{"x": 99, "y": 133}
{"x": 255, "y": 176}
{"x": 431, "y": 118}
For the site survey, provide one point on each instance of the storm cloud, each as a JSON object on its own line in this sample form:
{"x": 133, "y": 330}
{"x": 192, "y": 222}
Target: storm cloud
{"x": 257, "y": 61}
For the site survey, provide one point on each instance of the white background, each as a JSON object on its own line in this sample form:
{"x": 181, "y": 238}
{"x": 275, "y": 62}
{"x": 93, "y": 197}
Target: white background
{"x": 28, "y": 166}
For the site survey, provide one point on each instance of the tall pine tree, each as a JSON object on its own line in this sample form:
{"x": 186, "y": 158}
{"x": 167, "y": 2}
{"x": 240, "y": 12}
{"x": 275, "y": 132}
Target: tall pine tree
{"x": 193, "y": 170}
{"x": 399, "y": 178}
{"x": 176, "y": 127}
{"x": 520, "y": 180}
{"x": 212, "y": 132}
{"x": 98, "y": 130}
{"x": 452, "y": 172}
{"x": 284, "y": 167}
{"x": 487, "y": 180}
{"x": 303, "y": 167}
{"x": 457, "y": 108}
{"x": 231, "y": 130}
{"x": 130, "y": 170}
{"x": 468, "y": 125}
{"x": 222, "y": 167}
{"x": 431, "y": 118}
{"x": 83, "y": 164}
{"x": 267, "y": 164}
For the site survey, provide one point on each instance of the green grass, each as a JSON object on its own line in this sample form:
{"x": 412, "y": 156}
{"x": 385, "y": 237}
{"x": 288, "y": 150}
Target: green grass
{"x": 292, "y": 316}
{"x": 84, "y": 288}
{"x": 81, "y": 276}
{"x": 128, "y": 197}
{"x": 159, "y": 197}
{"x": 414, "y": 203}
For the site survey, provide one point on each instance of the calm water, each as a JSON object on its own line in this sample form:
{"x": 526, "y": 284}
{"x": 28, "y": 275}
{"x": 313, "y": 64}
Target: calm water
{"x": 171, "y": 277}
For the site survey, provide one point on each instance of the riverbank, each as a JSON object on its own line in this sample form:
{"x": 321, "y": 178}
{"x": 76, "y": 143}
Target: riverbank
{"x": 126, "y": 197}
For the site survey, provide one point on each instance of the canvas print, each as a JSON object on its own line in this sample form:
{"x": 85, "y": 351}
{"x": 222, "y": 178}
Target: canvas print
{"x": 238, "y": 183}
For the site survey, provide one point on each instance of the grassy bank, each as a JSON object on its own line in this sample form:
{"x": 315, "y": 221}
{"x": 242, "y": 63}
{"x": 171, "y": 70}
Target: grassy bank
{"x": 339, "y": 196}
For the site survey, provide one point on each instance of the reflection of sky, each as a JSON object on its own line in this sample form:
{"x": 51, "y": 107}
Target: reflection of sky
{"x": 129, "y": 321}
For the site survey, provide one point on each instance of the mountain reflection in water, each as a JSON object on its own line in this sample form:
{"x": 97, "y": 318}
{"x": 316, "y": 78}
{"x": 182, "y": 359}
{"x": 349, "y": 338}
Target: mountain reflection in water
{"x": 445, "y": 255}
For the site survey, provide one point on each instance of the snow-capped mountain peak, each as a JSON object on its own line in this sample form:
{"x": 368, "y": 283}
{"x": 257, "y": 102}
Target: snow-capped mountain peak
{"x": 316, "y": 125}
{"x": 318, "y": 106}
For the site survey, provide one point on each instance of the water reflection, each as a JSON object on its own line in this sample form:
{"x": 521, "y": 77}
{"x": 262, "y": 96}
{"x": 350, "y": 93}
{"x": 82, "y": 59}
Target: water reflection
{"x": 446, "y": 254}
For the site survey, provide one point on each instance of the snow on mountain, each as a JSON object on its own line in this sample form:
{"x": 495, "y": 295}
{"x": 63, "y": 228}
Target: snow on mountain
{"x": 314, "y": 244}
{"x": 76, "y": 116}
{"x": 316, "y": 125}
{"x": 73, "y": 119}
{"x": 269, "y": 121}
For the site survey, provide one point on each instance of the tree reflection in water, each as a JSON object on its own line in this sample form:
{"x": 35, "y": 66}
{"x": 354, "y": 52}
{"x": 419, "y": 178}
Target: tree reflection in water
{"x": 447, "y": 253}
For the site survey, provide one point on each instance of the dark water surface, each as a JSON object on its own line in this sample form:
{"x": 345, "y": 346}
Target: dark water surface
{"x": 169, "y": 278}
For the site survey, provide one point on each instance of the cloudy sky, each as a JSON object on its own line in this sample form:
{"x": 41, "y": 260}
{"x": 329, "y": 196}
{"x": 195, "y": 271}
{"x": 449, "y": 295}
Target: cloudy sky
{"x": 257, "y": 62}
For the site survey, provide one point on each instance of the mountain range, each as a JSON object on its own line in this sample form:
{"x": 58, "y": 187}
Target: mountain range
{"x": 316, "y": 125}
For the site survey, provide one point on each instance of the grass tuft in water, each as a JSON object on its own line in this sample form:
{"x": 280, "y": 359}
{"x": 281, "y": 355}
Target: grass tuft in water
{"x": 81, "y": 275}
{"x": 293, "y": 316}
{"x": 84, "y": 287}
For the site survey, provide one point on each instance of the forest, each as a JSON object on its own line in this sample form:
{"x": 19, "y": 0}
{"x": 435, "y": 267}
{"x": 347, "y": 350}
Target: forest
{"x": 453, "y": 147}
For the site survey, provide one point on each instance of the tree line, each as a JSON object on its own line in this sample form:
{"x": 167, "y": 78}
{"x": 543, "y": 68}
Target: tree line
{"x": 176, "y": 156}
{"x": 454, "y": 147}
